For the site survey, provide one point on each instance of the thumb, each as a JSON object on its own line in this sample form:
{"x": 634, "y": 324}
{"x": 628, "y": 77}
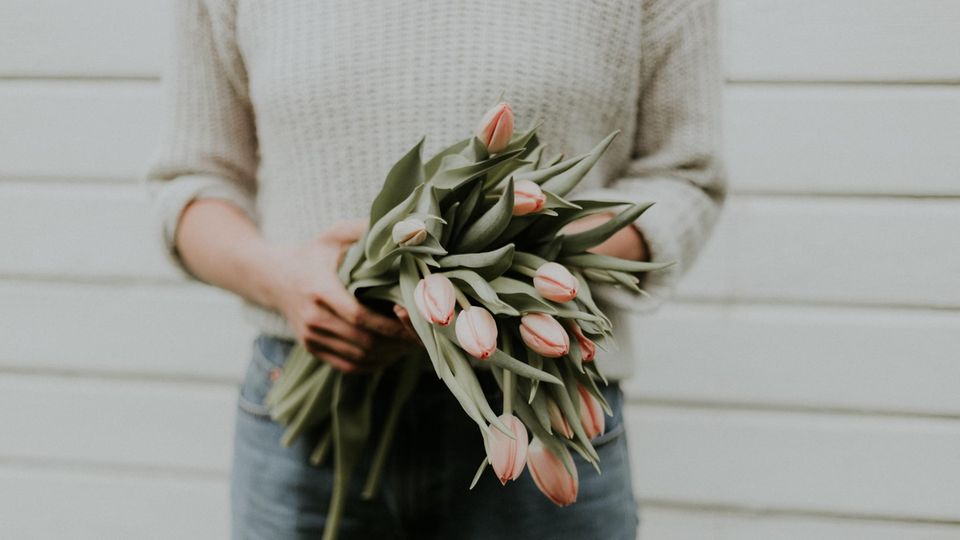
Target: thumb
{"x": 347, "y": 230}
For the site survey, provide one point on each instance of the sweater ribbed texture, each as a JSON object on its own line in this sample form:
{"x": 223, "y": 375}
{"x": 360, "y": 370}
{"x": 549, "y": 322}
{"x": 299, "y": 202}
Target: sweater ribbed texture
{"x": 294, "y": 110}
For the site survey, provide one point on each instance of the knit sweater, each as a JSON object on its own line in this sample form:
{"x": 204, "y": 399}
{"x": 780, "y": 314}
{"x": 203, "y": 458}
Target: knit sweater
{"x": 294, "y": 111}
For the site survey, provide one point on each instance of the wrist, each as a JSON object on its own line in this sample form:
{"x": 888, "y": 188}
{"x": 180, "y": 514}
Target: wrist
{"x": 268, "y": 274}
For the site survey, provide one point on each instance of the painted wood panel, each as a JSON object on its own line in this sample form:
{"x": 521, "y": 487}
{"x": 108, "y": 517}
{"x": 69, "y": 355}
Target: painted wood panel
{"x": 842, "y": 40}
{"x": 750, "y": 355}
{"x": 188, "y": 332}
{"x": 834, "y": 250}
{"x": 40, "y": 503}
{"x": 665, "y": 523}
{"x": 838, "y": 464}
{"x": 84, "y": 38}
{"x": 117, "y": 422}
{"x": 843, "y": 139}
{"x": 78, "y": 130}
{"x": 782, "y": 139}
{"x": 778, "y": 248}
{"x": 885, "y": 40}
{"x": 800, "y": 356}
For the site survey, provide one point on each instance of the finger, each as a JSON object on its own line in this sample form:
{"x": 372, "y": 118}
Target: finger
{"x": 347, "y": 231}
{"x": 329, "y": 323}
{"x": 337, "y": 345}
{"x": 345, "y": 305}
{"x": 338, "y": 362}
{"x": 404, "y": 317}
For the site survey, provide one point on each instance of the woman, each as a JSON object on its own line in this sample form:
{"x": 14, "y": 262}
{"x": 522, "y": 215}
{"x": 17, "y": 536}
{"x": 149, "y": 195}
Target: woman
{"x": 285, "y": 116}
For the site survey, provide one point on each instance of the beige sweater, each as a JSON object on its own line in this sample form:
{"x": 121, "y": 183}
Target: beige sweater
{"x": 294, "y": 110}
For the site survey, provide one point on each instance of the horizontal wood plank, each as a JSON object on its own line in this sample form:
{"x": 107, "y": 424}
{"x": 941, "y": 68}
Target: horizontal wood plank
{"x": 78, "y": 130}
{"x": 795, "y": 356}
{"x": 804, "y": 139}
{"x": 839, "y": 464}
{"x": 834, "y": 250}
{"x": 84, "y": 38}
{"x": 103, "y": 232}
{"x": 169, "y": 331}
{"x": 764, "y": 460}
{"x": 845, "y": 40}
{"x": 665, "y": 523}
{"x": 842, "y": 40}
{"x": 752, "y": 355}
{"x": 843, "y": 139}
{"x": 43, "y": 503}
{"x": 131, "y": 423}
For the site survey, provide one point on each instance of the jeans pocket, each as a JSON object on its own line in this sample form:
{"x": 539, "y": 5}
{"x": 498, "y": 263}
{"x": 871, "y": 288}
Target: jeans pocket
{"x": 614, "y": 427}
{"x": 269, "y": 355}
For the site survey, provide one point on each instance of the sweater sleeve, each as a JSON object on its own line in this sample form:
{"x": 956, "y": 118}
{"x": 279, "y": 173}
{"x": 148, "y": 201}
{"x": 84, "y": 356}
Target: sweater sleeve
{"x": 675, "y": 161}
{"x": 208, "y": 147}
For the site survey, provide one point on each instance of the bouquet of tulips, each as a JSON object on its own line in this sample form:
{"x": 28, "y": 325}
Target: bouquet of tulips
{"x": 478, "y": 226}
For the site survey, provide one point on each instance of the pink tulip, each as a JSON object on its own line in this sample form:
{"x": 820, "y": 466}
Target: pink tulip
{"x": 591, "y": 413}
{"x": 496, "y": 128}
{"x": 477, "y": 332}
{"x": 435, "y": 299}
{"x": 508, "y": 456}
{"x": 544, "y": 335}
{"x": 551, "y": 477}
{"x": 554, "y": 282}
{"x": 588, "y": 349}
{"x": 557, "y": 421}
{"x": 527, "y": 198}
{"x": 409, "y": 232}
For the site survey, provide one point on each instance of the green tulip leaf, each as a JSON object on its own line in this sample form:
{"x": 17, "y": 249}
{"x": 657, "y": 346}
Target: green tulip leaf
{"x": 570, "y": 409}
{"x": 605, "y": 262}
{"x": 556, "y": 201}
{"x": 450, "y": 218}
{"x": 480, "y": 288}
{"x": 454, "y": 177}
{"x": 380, "y": 235}
{"x": 522, "y": 369}
{"x": 402, "y": 179}
{"x": 582, "y": 241}
{"x": 564, "y": 182}
{"x": 409, "y": 278}
{"x": 488, "y": 226}
{"x": 539, "y": 176}
{"x": 488, "y": 264}
{"x": 433, "y": 165}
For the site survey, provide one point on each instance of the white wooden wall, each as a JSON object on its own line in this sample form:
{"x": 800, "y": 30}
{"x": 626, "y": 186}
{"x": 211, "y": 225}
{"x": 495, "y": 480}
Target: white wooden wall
{"x": 805, "y": 385}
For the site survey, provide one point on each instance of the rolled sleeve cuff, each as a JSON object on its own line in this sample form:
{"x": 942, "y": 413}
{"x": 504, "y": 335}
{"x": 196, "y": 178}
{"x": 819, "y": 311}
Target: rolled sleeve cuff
{"x": 672, "y": 228}
{"x": 172, "y": 197}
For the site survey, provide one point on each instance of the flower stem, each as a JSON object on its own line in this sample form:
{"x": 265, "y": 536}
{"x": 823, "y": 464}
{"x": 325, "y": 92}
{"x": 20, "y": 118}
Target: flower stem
{"x": 524, "y": 270}
{"x": 507, "y": 392}
{"x": 424, "y": 269}
{"x": 461, "y": 298}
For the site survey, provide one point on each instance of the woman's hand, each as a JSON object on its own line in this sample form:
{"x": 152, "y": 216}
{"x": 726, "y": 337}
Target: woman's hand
{"x": 627, "y": 243}
{"x": 326, "y": 318}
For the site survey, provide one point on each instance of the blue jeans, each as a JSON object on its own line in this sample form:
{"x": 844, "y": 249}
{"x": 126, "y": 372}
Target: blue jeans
{"x": 277, "y": 495}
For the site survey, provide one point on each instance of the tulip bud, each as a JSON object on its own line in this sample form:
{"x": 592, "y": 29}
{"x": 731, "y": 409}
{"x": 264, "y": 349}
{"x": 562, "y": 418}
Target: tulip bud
{"x": 588, "y": 349}
{"x": 550, "y": 475}
{"x": 435, "y": 299}
{"x": 409, "y": 232}
{"x": 496, "y": 128}
{"x": 477, "y": 332}
{"x": 544, "y": 335}
{"x": 557, "y": 421}
{"x": 591, "y": 413}
{"x": 508, "y": 456}
{"x": 554, "y": 282}
{"x": 527, "y": 197}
